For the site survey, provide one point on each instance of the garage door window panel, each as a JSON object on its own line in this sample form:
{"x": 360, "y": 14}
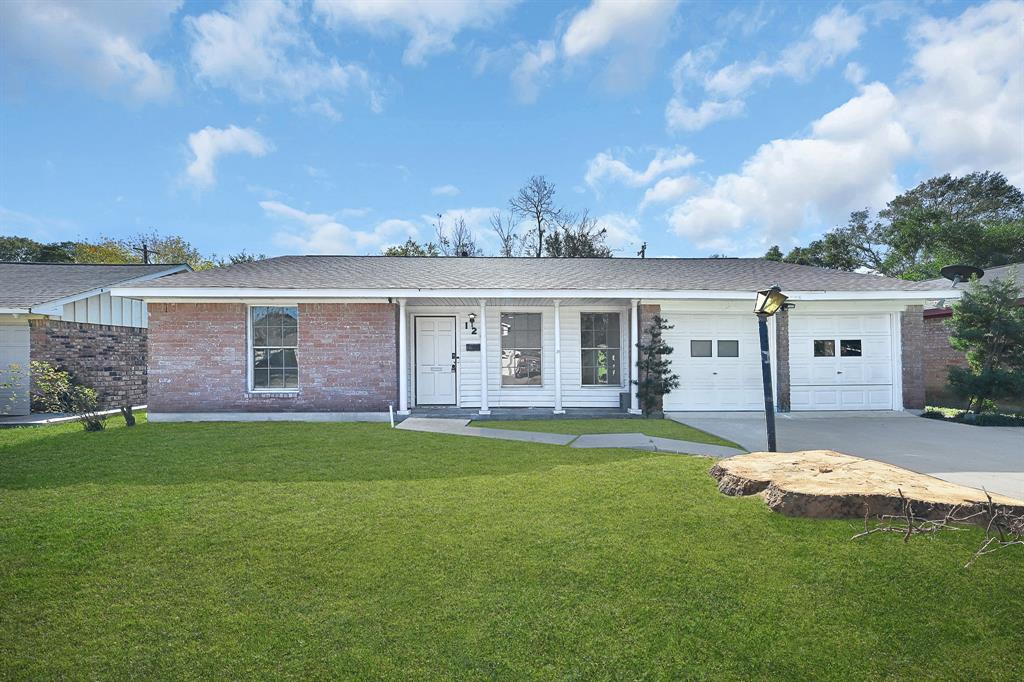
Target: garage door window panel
{"x": 728, "y": 348}
{"x": 700, "y": 348}
{"x": 824, "y": 348}
{"x": 850, "y": 348}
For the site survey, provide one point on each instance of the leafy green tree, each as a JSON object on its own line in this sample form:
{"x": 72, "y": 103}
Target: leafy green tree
{"x": 23, "y": 249}
{"x": 655, "y": 376}
{"x": 170, "y": 249}
{"x": 242, "y": 256}
{"x": 976, "y": 219}
{"x": 774, "y": 253}
{"x": 576, "y": 237}
{"x": 412, "y": 248}
{"x": 988, "y": 326}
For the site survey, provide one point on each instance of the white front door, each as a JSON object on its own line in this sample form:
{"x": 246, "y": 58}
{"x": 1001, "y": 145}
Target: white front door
{"x": 435, "y": 361}
{"x": 718, "y": 359}
{"x": 840, "y": 362}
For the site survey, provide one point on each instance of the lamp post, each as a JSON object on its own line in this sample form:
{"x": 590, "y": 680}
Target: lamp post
{"x": 767, "y": 303}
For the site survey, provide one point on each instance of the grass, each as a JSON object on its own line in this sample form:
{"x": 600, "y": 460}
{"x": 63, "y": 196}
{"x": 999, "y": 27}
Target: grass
{"x": 658, "y": 428}
{"x": 193, "y": 551}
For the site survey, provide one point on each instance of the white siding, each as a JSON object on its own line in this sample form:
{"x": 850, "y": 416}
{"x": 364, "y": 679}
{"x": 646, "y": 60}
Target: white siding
{"x": 574, "y": 394}
{"x": 107, "y": 309}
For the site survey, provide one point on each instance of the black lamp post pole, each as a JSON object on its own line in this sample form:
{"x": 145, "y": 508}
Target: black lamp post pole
{"x": 766, "y": 379}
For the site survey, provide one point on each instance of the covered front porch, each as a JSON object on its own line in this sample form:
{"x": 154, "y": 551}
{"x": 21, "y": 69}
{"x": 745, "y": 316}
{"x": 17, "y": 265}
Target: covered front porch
{"x": 515, "y": 357}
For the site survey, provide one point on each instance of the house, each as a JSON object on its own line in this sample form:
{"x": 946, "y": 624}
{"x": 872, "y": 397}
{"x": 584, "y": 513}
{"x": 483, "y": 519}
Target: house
{"x": 939, "y": 355}
{"x": 64, "y": 314}
{"x": 357, "y": 334}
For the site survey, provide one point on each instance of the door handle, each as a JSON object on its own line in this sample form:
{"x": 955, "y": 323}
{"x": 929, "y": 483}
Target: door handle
{"x": 453, "y": 366}
{"x": 839, "y": 372}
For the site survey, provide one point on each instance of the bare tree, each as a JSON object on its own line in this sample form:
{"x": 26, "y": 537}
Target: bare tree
{"x": 535, "y": 203}
{"x": 506, "y": 227}
{"x": 458, "y": 240}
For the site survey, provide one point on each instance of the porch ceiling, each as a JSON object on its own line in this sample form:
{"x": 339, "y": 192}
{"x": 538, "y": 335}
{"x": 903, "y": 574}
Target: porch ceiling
{"x": 523, "y": 302}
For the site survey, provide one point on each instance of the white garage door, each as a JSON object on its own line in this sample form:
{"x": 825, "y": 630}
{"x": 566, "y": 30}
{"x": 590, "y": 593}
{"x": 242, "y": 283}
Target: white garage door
{"x": 718, "y": 361}
{"x": 14, "y": 367}
{"x": 840, "y": 362}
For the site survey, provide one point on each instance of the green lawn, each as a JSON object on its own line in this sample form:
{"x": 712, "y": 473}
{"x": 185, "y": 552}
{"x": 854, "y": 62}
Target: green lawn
{"x": 355, "y": 551}
{"x": 659, "y": 428}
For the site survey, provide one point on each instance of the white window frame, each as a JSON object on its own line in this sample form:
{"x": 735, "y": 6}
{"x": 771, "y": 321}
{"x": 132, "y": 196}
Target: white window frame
{"x": 623, "y": 346}
{"x": 249, "y": 348}
{"x": 543, "y": 375}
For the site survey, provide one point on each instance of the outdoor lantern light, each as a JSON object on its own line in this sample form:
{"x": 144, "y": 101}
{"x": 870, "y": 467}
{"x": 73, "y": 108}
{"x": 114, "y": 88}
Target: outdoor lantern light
{"x": 767, "y": 303}
{"x": 472, "y": 322}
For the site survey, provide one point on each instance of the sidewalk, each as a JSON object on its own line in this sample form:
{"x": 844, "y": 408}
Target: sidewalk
{"x": 633, "y": 441}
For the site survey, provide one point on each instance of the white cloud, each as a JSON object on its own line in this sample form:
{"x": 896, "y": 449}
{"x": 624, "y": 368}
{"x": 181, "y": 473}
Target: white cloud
{"x": 445, "y": 191}
{"x": 847, "y": 162}
{"x": 262, "y": 51}
{"x": 98, "y": 44}
{"x": 966, "y": 104}
{"x": 605, "y": 167}
{"x": 631, "y": 32}
{"x": 855, "y": 73}
{"x": 623, "y": 230}
{"x": 324, "y": 234}
{"x": 208, "y": 144}
{"x": 432, "y": 26}
{"x": 668, "y": 189}
{"x": 833, "y": 35}
{"x": 532, "y": 70}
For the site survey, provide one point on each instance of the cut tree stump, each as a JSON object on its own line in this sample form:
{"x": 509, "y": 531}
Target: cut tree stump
{"x": 828, "y": 484}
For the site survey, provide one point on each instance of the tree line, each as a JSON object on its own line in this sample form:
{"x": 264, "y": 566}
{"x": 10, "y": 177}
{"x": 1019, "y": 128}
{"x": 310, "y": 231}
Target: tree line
{"x": 977, "y": 219}
{"x": 151, "y": 247}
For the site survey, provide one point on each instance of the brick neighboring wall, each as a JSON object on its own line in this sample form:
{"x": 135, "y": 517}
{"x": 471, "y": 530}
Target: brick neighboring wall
{"x": 647, "y": 313}
{"x": 347, "y": 354}
{"x": 912, "y": 339}
{"x": 108, "y": 358}
{"x": 782, "y": 352}
{"x": 939, "y": 356}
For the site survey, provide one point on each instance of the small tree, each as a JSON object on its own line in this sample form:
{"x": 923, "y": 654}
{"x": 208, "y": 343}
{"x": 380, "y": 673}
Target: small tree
{"x": 53, "y": 390}
{"x": 656, "y": 379}
{"x": 988, "y": 326}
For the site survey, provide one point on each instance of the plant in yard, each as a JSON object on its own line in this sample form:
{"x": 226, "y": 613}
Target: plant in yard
{"x": 656, "y": 378}
{"x": 988, "y": 326}
{"x": 53, "y": 390}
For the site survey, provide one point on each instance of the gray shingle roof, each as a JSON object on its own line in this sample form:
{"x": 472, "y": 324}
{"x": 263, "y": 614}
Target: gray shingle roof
{"x": 382, "y": 272}
{"x": 23, "y": 285}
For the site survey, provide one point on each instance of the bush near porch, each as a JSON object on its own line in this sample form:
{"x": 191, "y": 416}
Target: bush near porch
{"x": 356, "y": 551}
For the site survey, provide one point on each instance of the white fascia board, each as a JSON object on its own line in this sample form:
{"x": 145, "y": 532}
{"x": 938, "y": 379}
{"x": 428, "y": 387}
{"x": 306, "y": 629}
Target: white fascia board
{"x": 225, "y": 293}
{"x": 14, "y": 311}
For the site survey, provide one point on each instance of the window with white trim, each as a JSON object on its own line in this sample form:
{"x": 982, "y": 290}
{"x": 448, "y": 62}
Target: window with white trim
{"x": 521, "y": 349}
{"x": 275, "y": 338}
{"x": 600, "y": 349}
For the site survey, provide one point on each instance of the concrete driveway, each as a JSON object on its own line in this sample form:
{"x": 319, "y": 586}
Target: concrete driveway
{"x": 990, "y": 457}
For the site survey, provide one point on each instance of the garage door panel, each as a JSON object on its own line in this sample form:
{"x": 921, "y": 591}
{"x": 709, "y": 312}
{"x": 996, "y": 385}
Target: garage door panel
{"x": 716, "y": 382}
{"x": 839, "y": 382}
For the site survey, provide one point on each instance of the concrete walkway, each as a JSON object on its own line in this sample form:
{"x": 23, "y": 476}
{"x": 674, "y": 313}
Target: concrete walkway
{"x": 633, "y": 441}
{"x": 989, "y": 457}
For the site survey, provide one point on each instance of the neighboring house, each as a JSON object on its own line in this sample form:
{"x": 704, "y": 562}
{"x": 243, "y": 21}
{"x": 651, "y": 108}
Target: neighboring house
{"x": 344, "y": 334}
{"x": 64, "y": 314}
{"x": 939, "y": 355}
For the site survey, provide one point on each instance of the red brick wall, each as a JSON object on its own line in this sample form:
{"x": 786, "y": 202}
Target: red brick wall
{"x": 782, "y": 352}
{"x": 939, "y": 356}
{"x": 912, "y": 337}
{"x": 347, "y": 354}
{"x": 108, "y": 358}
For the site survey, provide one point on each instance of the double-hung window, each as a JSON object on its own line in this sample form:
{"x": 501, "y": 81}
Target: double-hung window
{"x": 521, "y": 349}
{"x": 275, "y": 337}
{"x": 600, "y": 349}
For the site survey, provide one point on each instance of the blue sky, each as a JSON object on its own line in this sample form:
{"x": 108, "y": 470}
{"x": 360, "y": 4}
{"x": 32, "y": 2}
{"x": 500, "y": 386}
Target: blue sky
{"x": 342, "y": 127}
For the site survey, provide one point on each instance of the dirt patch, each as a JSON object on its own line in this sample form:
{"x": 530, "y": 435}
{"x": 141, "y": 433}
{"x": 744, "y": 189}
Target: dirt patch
{"x": 827, "y": 484}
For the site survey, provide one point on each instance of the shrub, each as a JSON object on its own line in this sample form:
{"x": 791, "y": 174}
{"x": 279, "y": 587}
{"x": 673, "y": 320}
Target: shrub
{"x": 656, "y": 379}
{"x": 53, "y": 390}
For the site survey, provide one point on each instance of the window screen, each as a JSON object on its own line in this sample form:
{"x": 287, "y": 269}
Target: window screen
{"x": 600, "y": 349}
{"x": 275, "y": 337}
{"x": 521, "y": 349}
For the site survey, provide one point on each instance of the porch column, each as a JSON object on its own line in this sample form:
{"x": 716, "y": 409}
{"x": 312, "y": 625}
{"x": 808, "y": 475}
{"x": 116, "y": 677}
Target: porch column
{"x": 484, "y": 407}
{"x": 558, "y": 358}
{"x": 403, "y": 361}
{"x": 634, "y": 356}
